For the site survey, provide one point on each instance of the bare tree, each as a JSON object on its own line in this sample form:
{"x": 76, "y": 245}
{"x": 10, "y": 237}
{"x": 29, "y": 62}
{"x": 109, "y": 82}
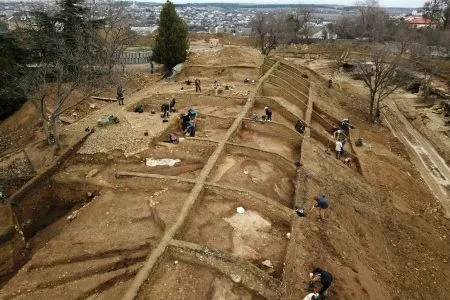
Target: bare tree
{"x": 380, "y": 76}
{"x": 345, "y": 27}
{"x": 404, "y": 36}
{"x": 438, "y": 11}
{"x": 304, "y": 20}
{"x": 421, "y": 57}
{"x": 115, "y": 35}
{"x": 372, "y": 21}
{"x": 270, "y": 31}
{"x": 65, "y": 60}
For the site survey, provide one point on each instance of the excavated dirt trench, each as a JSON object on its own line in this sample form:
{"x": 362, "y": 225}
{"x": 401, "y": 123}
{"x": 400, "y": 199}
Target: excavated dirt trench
{"x": 179, "y": 222}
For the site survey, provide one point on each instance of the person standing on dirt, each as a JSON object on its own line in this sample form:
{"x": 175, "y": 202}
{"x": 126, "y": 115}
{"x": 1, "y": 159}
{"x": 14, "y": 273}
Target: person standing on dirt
{"x": 197, "y": 86}
{"x": 120, "y": 91}
{"x": 165, "y": 108}
{"x": 322, "y": 203}
{"x": 338, "y": 149}
{"x": 268, "y": 113}
{"x": 345, "y": 125}
{"x": 325, "y": 278}
{"x": 185, "y": 118}
{"x": 172, "y": 104}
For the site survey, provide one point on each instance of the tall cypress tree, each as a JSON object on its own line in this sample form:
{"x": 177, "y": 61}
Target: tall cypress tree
{"x": 171, "y": 42}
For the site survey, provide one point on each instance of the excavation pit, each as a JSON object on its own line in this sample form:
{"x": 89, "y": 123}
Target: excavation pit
{"x": 270, "y": 137}
{"x": 192, "y": 156}
{"x": 213, "y": 105}
{"x": 261, "y": 172}
{"x": 213, "y": 128}
{"x": 177, "y": 279}
{"x": 253, "y": 235}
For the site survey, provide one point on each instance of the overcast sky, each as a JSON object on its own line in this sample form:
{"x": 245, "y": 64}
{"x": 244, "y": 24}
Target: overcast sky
{"x": 390, "y": 3}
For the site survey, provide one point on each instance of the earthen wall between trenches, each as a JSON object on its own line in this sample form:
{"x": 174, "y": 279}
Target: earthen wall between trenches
{"x": 261, "y": 102}
{"x": 237, "y": 73}
{"x": 301, "y": 99}
{"x": 276, "y": 91}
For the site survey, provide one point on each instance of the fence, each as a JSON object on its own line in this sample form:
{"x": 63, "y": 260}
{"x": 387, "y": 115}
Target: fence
{"x": 135, "y": 57}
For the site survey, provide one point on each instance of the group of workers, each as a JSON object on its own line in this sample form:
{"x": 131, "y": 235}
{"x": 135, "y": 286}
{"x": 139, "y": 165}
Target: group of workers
{"x": 341, "y": 134}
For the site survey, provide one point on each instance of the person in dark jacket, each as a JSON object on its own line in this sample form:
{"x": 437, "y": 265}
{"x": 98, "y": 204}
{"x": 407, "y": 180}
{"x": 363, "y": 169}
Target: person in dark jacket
{"x": 165, "y": 108}
{"x": 172, "y": 104}
{"x": 322, "y": 203}
{"x": 197, "y": 85}
{"x": 185, "y": 118}
{"x": 268, "y": 113}
{"x": 324, "y": 277}
{"x": 190, "y": 129}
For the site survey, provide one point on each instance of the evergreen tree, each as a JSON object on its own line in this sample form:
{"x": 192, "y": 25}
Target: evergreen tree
{"x": 12, "y": 63}
{"x": 171, "y": 42}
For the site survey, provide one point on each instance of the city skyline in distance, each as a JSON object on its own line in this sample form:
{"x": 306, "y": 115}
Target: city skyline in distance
{"x": 383, "y": 3}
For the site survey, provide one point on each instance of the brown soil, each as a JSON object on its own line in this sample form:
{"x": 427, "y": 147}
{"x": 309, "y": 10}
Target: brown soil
{"x": 103, "y": 216}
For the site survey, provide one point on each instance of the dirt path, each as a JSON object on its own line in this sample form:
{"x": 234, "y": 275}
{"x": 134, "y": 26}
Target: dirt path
{"x": 430, "y": 164}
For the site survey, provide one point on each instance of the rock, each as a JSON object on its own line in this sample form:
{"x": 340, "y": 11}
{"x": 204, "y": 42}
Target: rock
{"x": 176, "y": 262}
{"x": 92, "y": 173}
{"x": 267, "y": 263}
{"x": 89, "y": 194}
{"x": 236, "y": 278}
{"x": 246, "y": 172}
{"x": 240, "y": 210}
{"x": 92, "y": 105}
{"x": 72, "y": 216}
{"x": 288, "y": 235}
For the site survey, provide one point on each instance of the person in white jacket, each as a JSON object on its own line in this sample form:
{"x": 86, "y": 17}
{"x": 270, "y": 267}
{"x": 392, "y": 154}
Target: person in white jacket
{"x": 338, "y": 148}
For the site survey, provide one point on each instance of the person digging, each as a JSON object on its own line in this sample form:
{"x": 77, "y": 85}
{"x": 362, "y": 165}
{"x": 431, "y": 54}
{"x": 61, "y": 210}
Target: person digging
{"x": 321, "y": 202}
{"x": 325, "y": 278}
{"x": 185, "y": 119}
{"x": 165, "y": 109}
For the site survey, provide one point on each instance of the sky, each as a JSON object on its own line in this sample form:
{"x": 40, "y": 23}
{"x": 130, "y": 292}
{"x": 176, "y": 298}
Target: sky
{"x": 390, "y": 3}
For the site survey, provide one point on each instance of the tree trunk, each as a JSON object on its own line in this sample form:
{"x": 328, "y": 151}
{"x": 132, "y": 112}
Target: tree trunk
{"x": 110, "y": 67}
{"x": 372, "y": 104}
{"x": 56, "y": 133}
{"x": 47, "y": 131}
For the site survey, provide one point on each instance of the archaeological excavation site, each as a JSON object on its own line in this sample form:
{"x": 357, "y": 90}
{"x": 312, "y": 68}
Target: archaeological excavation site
{"x": 228, "y": 213}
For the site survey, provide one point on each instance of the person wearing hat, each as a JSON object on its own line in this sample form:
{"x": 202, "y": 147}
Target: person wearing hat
{"x": 322, "y": 203}
{"x": 268, "y": 113}
{"x": 325, "y": 278}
